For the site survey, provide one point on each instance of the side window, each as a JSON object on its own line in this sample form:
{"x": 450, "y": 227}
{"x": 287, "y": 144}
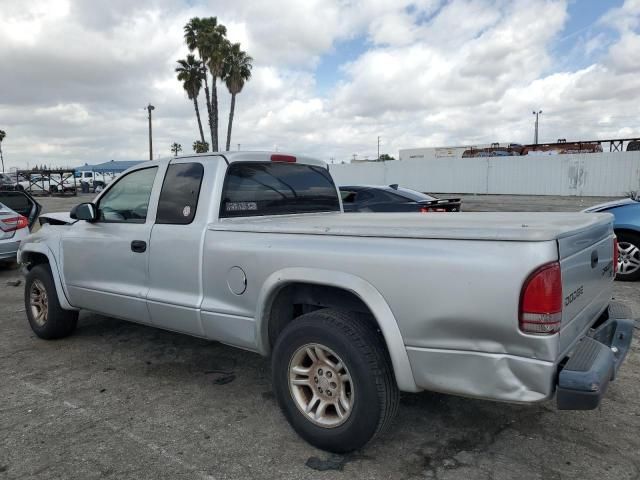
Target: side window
{"x": 179, "y": 194}
{"x": 388, "y": 197}
{"x": 348, "y": 196}
{"x": 128, "y": 200}
{"x": 365, "y": 196}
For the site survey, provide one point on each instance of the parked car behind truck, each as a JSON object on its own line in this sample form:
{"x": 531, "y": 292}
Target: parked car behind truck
{"x": 18, "y": 213}
{"x": 393, "y": 198}
{"x": 626, "y": 213}
{"x": 254, "y": 250}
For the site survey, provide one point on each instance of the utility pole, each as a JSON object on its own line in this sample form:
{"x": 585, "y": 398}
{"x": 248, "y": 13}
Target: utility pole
{"x": 378, "y": 147}
{"x": 238, "y": 147}
{"x": 535, "y": 135}
{"x": 354, "y": 157}
{"x": 2, "y": 135}
{"x": 149, "y": 109}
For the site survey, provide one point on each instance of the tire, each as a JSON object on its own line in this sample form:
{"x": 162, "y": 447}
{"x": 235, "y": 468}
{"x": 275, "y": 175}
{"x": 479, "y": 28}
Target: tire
{"x": 366, "y": 381}
{"x": 47, "y": 318}
{"x": 98, "y": 188}
{"x": 628, "y": 256}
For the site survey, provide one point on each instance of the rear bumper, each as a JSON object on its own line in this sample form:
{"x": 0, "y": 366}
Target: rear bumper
{"x": 583, "y": 380}
{"x": 516, "y": 379}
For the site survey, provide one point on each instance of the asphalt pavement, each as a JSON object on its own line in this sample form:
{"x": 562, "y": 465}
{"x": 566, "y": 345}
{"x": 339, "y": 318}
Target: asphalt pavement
{"x": 119, "y": 400}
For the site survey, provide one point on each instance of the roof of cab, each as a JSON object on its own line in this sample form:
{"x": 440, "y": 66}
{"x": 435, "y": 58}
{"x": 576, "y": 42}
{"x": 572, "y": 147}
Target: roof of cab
{"x": 253, "y": 157}
{"x": 232, "y": 157}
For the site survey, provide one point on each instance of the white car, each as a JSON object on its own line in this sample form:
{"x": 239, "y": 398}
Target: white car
{"x": 96, "y": 180}
{"x": 18, "y": 212}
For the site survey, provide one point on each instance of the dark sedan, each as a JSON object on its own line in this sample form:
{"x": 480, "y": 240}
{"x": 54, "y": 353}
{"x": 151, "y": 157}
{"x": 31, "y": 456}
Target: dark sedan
{"x": 392, "y": 198}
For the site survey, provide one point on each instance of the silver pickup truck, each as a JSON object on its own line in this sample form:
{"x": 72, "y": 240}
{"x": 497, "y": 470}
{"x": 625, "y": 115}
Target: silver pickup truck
{"x": 254, "y": 250}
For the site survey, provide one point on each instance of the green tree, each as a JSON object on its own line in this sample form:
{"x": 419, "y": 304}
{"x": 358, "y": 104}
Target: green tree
{"x": 200, "y": 147}
{"x": 386, "y": 156}
{"x": 208, "y": 37}
{"x": 217, "y": 46}
{"x": 236, "y": 72}
{"x": 189, "y": 72}
{"x": 176, "y": 148}
{"x": 193, "y": 33}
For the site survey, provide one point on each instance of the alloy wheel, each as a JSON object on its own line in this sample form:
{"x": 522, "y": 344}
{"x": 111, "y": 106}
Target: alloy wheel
{"x": 628, "y": 258}
{"x": 38, "y": 302}
{"x": 321, "y": 385}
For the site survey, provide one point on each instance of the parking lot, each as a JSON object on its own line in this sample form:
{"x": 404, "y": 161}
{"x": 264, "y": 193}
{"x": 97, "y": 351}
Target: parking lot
{"x": 120, "y": 400}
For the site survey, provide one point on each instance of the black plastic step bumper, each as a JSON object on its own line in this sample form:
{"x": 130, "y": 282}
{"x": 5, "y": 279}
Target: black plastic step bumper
{"x": 584, "y": 379}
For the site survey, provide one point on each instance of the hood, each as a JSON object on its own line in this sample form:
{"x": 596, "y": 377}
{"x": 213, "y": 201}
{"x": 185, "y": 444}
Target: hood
{"x": 606, "y": 206}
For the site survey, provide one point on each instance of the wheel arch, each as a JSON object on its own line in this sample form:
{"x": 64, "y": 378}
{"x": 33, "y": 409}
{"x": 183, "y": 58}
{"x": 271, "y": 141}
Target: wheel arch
{"x": 626, "y": 229}
{"x": 37, "y": 254}
{"x": 362, "y": 290}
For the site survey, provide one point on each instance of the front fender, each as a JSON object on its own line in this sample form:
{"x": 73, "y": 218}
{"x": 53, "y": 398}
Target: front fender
{"x": 43, "y": 249}
{"x": 356, "y": 285}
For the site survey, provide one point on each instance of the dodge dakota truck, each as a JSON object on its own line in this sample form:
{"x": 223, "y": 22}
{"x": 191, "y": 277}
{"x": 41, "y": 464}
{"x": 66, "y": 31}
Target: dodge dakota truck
{"x": 253, "y": 249}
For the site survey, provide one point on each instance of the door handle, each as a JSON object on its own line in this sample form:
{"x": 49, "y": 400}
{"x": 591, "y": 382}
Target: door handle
{"x": 139, "y": 246}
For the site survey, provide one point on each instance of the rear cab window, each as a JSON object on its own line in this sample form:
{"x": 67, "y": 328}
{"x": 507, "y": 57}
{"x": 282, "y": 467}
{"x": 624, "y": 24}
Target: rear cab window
{"x": 274, "y": 188}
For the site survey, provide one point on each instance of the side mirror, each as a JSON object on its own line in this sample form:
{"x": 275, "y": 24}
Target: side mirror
{"x": 84, "y": 211}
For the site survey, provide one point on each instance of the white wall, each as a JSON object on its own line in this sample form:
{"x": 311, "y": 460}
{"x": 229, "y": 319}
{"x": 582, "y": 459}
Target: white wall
{"x": 588, "y": 174}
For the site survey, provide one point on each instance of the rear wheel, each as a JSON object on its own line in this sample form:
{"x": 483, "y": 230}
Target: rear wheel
{"x": 628, "y": 256}
{"x": 333, "y": 380}
{"x": 46, "y": 317}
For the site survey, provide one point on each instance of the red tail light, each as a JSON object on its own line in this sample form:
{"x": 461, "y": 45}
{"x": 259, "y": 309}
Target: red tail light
{"x": 424, "y": 210}
{"x": 615, "y": 256}
{"x": 13, "y": 223}
{"x": 541, "y": 301}
{"x": 276, "y": 157}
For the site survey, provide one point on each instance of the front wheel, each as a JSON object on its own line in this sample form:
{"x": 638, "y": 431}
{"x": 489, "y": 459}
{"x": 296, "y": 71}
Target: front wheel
{"x": 628, "y": 256}
{"x": 333, "y": 379}
{"x": 46, "y": 317}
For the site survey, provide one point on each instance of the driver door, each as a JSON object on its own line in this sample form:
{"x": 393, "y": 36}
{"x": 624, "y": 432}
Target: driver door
{"x": 105, "y": 263}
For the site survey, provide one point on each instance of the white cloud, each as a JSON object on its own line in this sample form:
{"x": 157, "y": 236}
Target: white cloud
{"x": 77, "y": 75}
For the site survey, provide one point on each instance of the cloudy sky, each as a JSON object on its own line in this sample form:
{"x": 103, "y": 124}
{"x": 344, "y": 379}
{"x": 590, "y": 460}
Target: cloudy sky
{"x": 329, "y": 75}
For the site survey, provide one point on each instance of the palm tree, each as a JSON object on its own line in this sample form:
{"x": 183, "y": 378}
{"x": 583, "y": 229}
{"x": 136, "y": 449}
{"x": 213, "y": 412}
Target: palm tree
{"x": 2, "y": 135}
{"x": 200, "y": 147}
{"x": 237, "y": 71}
{"x": 216, "y": 46}
{"x": 207, "y": 37}
{"x": 193, "y": 38}
{"x": 176, "y": 148}
{"x": 189, "y": 72}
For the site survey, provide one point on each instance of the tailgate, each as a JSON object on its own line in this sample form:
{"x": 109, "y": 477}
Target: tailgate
{"x": 586, "y": 261}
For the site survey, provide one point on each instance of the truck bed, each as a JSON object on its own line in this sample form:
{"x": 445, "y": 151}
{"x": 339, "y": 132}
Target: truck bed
{"x": 508, "y": 226}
